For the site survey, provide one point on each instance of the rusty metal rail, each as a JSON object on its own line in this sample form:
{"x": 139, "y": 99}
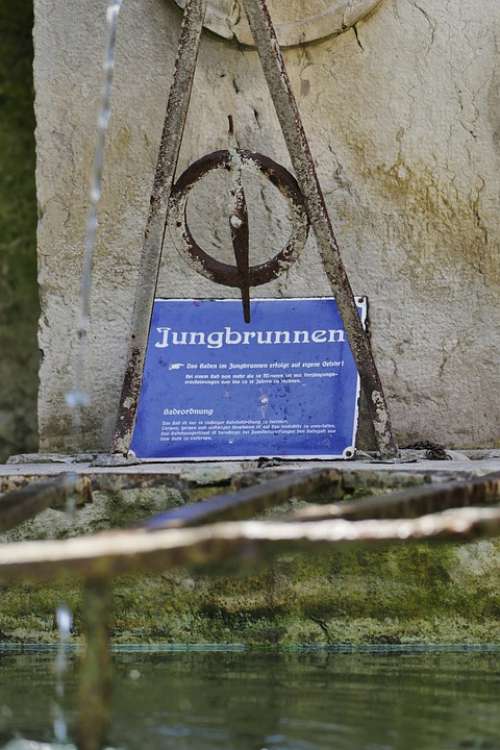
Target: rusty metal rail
{"x": 246, "y": 502}
{"x": 163, "y": 541}
{"x": 171, "y": 139}
{"x": 411, "y": 502}
{"x": 28, "y": 502}
{"x": 111, "y": 554}
{"x": 30, "y": 498}
{"x": 99, "y": 481}
{"x": 317, "y": 214}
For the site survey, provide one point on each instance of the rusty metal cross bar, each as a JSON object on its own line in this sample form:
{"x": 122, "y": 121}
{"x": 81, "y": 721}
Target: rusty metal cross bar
{"x": 215, "y": 530}
{"x": 300, "y": 154}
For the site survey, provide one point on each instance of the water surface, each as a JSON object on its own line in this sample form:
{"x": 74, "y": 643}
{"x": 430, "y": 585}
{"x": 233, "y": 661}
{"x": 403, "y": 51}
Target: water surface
{"x": 385, "y": 700}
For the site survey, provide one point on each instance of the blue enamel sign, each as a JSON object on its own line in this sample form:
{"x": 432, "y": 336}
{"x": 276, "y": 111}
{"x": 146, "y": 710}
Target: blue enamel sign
{"x": 214, "y": 387}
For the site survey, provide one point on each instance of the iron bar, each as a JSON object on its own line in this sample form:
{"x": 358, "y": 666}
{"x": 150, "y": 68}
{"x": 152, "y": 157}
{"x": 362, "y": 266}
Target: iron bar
{"x": 95, "y": 683}
{"x": 246, "y": 502}
{"x": 27, "y": 502}
{"x": 110, "y": 554}
{"x": 238, "y": 222}
{"x": 171, "y": 139}
{"x": 295, "y": 137}
{"x": 411, "y": 502}
{"x": 207, "y": 265}
{"x": 113, "y": 481}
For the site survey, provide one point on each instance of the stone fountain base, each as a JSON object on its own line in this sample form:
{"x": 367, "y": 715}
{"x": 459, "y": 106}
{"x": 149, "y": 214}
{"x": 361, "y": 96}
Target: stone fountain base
{"x": 425, "y": 593}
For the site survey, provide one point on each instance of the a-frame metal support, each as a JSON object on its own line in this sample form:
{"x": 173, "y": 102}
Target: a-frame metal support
{"x": 149, "y": 265}
{"x": 301, "y": 157}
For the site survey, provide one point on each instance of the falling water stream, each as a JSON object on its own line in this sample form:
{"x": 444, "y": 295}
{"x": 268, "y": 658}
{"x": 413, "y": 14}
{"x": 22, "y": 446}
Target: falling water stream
{"x": 78, "y": 398}
{"x": 64, "y": 620}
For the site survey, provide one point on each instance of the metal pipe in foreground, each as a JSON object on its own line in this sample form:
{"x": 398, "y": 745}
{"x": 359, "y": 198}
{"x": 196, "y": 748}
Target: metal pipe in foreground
{"x": 115, "y": 553}
{"x": 27, "y": 502}
{"x": 94, "y": 716}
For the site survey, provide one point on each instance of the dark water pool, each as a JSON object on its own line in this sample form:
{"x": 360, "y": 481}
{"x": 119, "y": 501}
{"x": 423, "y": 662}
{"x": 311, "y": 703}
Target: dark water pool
{"x": 387, "y": 700}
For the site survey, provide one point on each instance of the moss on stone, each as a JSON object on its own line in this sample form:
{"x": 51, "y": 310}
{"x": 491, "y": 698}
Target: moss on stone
{"x": 391, "y": 594}
{"x": 398, "y": 594}
{"x": 18, "y": 289}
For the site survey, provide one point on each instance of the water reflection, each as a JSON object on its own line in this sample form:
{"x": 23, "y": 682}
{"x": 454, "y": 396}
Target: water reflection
{"x": 251, "y": 701}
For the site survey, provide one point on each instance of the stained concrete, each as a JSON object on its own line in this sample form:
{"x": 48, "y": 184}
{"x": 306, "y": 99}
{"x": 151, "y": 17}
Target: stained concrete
{"x": 403, "y": 114}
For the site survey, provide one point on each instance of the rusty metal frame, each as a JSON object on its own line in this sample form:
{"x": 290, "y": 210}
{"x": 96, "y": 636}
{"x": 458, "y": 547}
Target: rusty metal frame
{"x": 300, "y": 154}
{"x": 213, "y": 269}
{"x": 248, "y": 501}
{"x": 29, "y": 501}
{"x": 325, "y": 484}
{"x": 411, "y": 502}
{"x": 149, "y": 266}
{"x": 296, "y": 140}
{"x": 212, "y": 532}
{"x": 462, "y": 509}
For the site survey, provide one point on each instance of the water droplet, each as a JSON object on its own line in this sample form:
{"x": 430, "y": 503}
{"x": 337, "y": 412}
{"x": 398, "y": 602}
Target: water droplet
{"x": 77, "y": 399}
{"x": 64, "y": 620}
{"x": 95, "y": 195}
{"x": 60, "y": 728}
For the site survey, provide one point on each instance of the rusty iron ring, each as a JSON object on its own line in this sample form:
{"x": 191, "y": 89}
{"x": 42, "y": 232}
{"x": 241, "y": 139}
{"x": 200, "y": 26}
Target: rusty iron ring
{"x": 210, "y": 267}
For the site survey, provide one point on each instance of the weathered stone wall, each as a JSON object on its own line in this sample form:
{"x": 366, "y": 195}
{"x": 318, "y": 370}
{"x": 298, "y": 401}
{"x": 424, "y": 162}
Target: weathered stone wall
{"x": 403, "y": 114}
{"x": 18, "y": 289}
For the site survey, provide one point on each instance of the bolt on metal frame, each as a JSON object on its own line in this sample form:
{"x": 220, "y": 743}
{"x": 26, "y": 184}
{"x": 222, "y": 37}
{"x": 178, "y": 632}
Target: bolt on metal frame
{"x": 300, "y": 154}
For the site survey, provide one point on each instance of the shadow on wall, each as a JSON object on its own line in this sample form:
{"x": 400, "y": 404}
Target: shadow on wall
{"x": 19, "y": 307}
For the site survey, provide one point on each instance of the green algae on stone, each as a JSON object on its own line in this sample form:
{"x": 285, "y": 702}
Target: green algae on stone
{"x": 399, "y": 594}
{"x": 18, "y": 288}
